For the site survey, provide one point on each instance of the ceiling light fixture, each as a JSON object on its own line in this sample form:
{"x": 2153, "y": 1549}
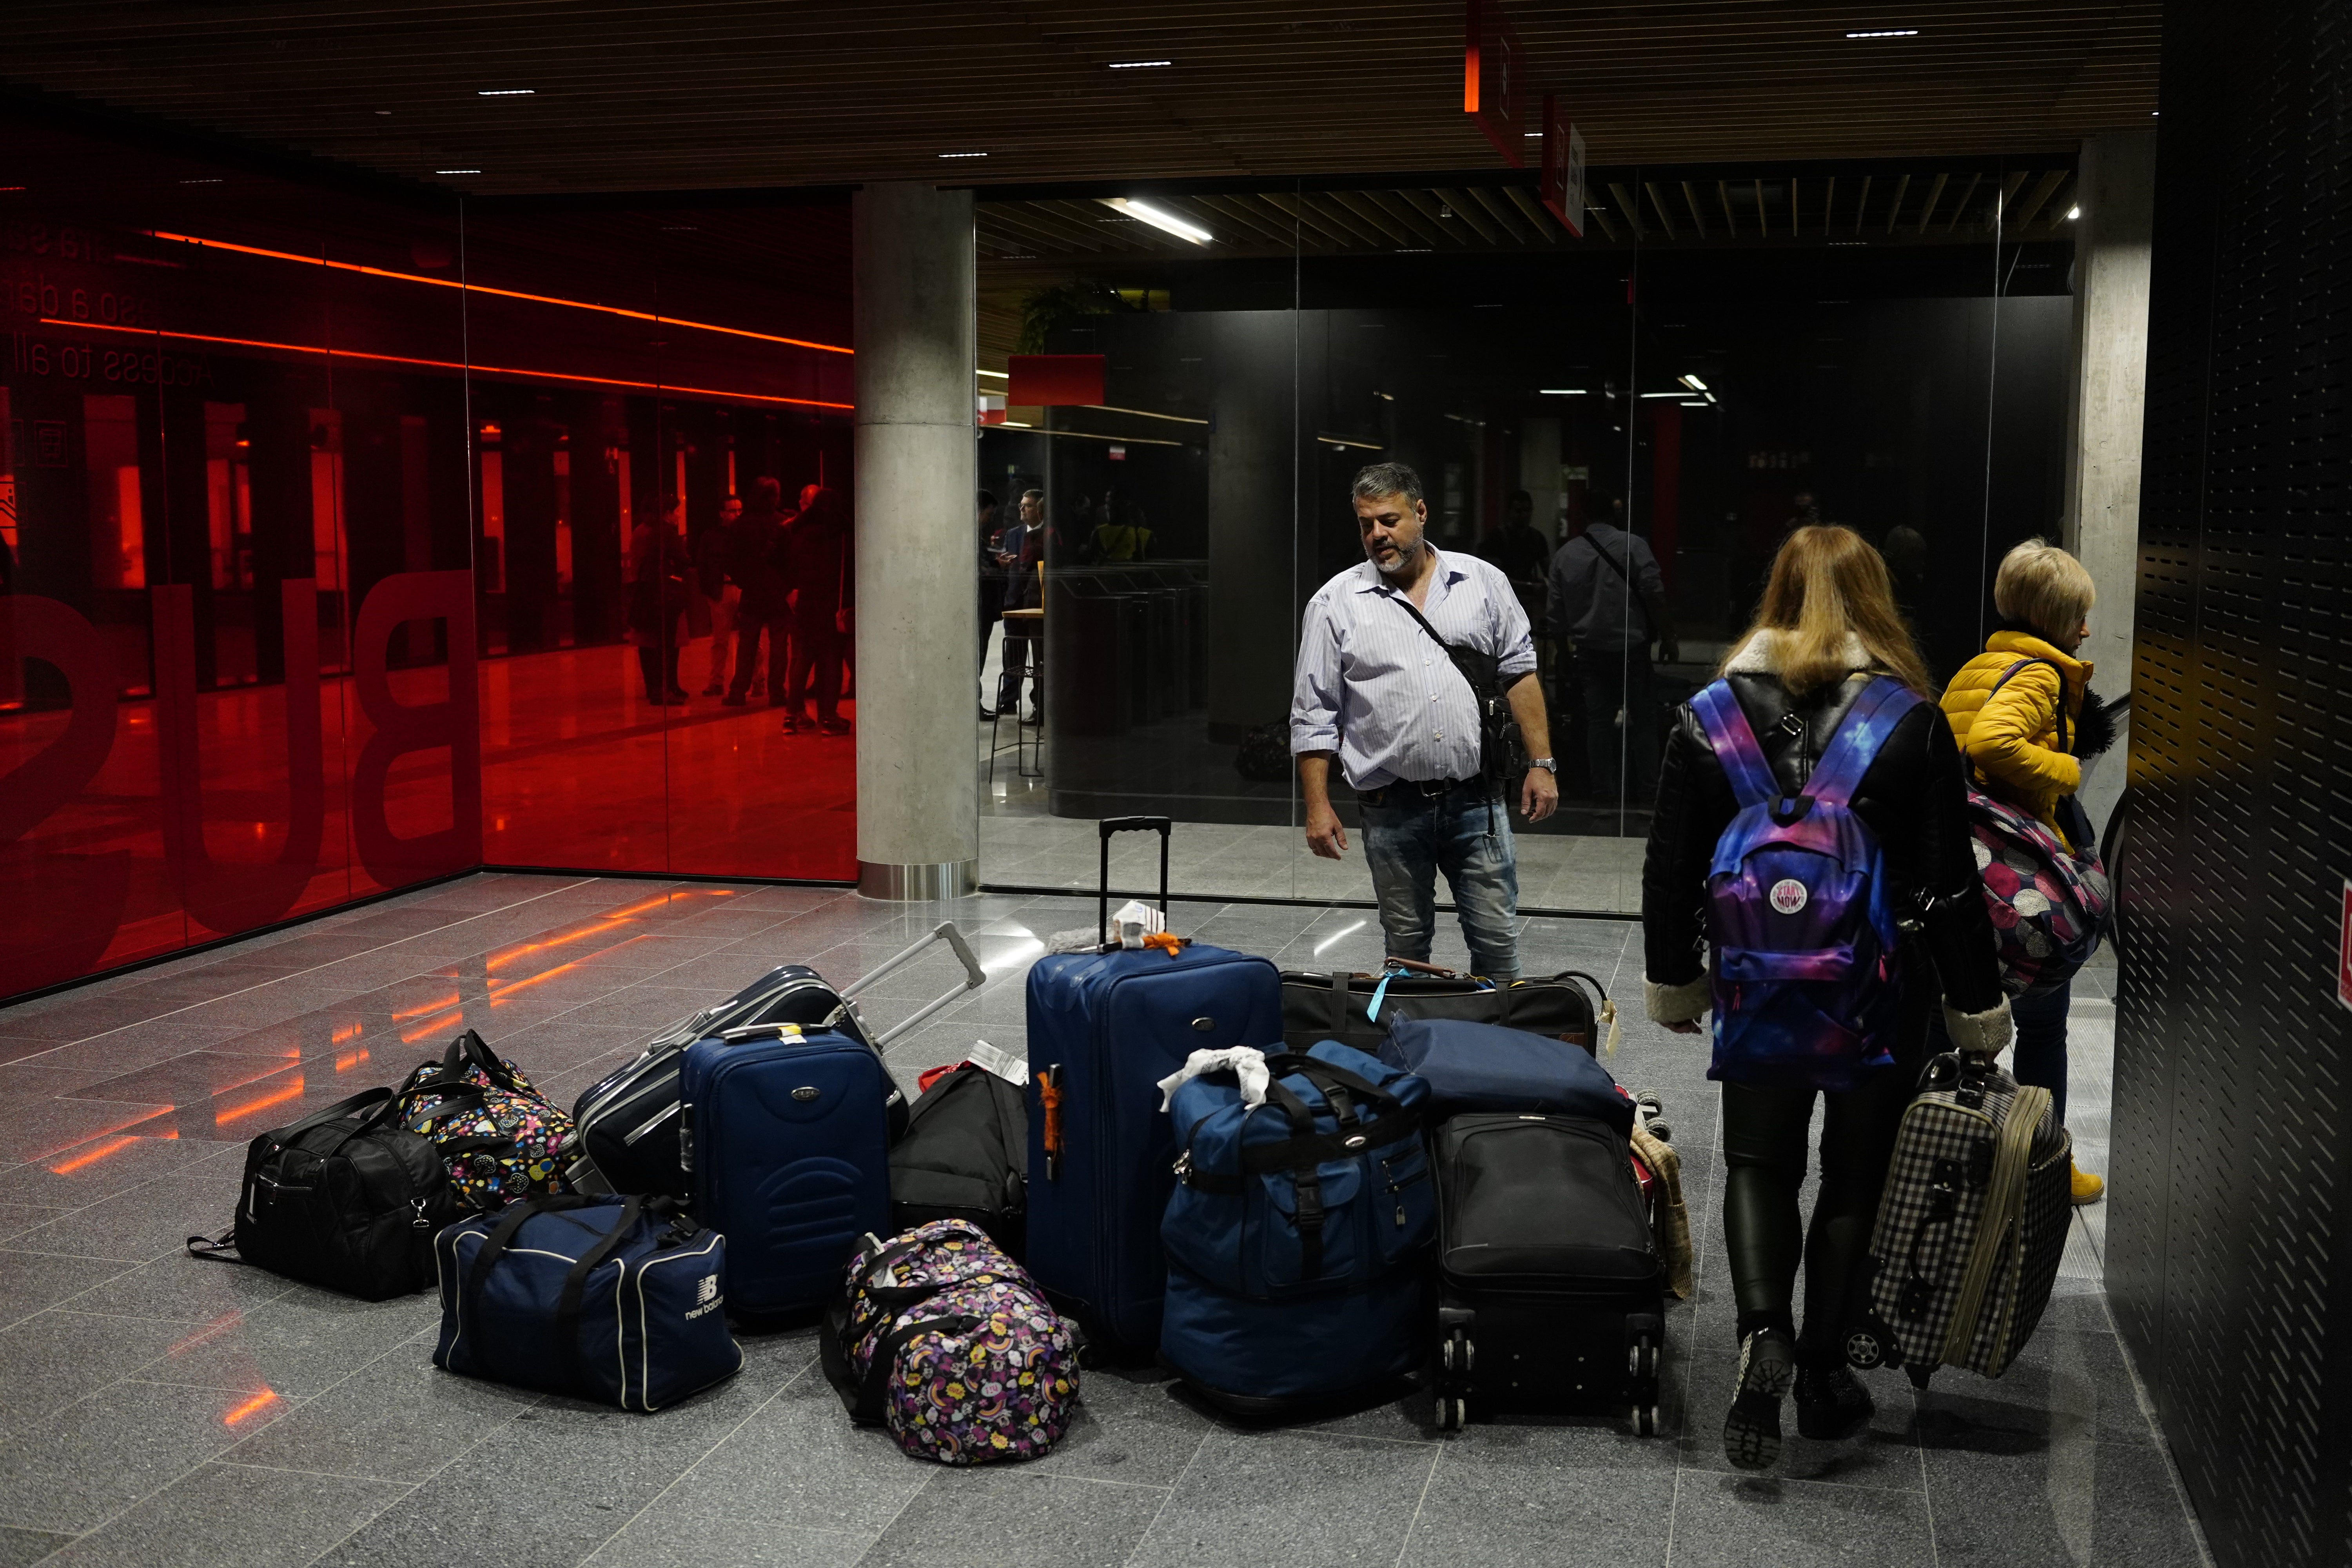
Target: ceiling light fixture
{"x": 504, "y": 91}
{"x": 1559, "y": 392}
{"x": 1142, "y": 212}
{"x": 1139, "y": 65}
{"x": 2073, "y": 213}
{"x": 1693, "y": 383}
{"x": 999, "y": 374}
{"x": 1693, "y": 403}
{"x": 457, "y": 170}
{"x": 1663, "y": 395}
{"x": 963, "y": 154}
{"x": 1887, "y": 33}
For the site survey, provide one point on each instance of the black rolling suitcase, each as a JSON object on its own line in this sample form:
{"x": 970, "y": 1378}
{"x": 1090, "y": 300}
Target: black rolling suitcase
{"x": 1550, "y": 1298}
{"x": 628, "y": 1123}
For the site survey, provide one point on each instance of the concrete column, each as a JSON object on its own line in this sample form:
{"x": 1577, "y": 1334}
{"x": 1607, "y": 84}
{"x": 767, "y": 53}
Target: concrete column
{"x": 2116, "y": 193}
{"x": 918, "y": 797}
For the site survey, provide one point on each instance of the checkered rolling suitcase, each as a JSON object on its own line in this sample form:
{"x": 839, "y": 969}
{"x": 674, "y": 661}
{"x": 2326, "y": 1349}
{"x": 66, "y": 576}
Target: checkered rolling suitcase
{"x": 1972, "y": 1226}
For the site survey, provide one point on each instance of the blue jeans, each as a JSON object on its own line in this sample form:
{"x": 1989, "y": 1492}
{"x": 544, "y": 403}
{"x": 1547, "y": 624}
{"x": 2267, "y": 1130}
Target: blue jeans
{"x": 2041, "y": 1052}
{"x": 1409, "y": 838}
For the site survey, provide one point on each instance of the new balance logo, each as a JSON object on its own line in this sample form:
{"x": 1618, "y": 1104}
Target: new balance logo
{"x": 708, "y": 1291}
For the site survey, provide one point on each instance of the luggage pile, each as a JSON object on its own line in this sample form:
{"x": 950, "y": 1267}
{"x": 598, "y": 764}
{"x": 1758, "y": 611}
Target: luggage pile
{"x": 1186, "y": 1166}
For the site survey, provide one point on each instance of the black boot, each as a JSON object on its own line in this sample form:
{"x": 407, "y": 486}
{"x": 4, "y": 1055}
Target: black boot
{"x": 1751, "y": 1432}
{"x": 1831, "y": 1404}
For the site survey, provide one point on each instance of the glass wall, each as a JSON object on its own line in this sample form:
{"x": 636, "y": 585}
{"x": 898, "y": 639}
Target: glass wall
{"x": 331, "y": 543}
{"x": 1723, "y": 356}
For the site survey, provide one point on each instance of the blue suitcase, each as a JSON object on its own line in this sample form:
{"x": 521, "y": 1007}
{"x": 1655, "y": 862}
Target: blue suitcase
{"x": 1104, "y": 1029}
{"x": 787, "y": 1153}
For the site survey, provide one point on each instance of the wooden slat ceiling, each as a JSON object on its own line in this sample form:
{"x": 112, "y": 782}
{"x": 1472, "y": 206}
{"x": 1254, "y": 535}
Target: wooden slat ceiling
{"x": 1889, "y": 203}
{"x": 704, "y": 94}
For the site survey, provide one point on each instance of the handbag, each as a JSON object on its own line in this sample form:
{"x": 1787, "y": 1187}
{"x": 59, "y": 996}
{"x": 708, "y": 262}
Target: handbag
{"x": 1358, "y": 1009}
{"x": 2048, "y": 904}
{"x": 501, "y": 1137}
{"x": 346, "y": 1198}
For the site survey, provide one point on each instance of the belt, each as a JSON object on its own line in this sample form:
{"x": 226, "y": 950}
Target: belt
{"x": 1417, "y": 789}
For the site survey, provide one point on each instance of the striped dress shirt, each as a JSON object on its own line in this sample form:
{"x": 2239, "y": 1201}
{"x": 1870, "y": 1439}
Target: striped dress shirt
{"x": 1372, "y": 686}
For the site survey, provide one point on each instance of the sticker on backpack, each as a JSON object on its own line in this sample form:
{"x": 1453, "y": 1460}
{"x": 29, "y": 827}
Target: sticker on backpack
{"x": 1789, "y": 895}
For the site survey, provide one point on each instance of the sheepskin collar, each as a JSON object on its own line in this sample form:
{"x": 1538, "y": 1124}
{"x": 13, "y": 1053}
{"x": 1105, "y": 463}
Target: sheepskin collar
{"x": 1760, "y": 654}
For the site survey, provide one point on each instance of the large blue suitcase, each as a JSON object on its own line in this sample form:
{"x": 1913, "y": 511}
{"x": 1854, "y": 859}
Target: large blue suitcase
{"x": 1104, "y": 1029}
{"x": 787, "y": 1153}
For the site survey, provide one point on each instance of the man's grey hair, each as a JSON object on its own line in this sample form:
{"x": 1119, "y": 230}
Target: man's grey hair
{"x": 1377, "y": 480}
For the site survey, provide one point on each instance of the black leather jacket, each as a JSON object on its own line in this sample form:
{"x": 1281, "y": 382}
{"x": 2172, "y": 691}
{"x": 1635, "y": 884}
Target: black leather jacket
{"x": 1914, "y": 797}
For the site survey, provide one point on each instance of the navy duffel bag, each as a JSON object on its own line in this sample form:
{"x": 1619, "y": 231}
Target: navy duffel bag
{"x": 1487, "y": 1068}
{"x": 621, "y": 1301}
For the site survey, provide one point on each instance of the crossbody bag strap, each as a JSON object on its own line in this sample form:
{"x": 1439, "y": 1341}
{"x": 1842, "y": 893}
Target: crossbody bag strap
{"x": 2065, "y": 732}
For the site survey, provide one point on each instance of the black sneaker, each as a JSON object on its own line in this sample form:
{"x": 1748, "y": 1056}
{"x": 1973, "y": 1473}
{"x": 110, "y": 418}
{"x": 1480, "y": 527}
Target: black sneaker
{"x": 1831, "y": 1404}
{"x": 1751, "y": 1433}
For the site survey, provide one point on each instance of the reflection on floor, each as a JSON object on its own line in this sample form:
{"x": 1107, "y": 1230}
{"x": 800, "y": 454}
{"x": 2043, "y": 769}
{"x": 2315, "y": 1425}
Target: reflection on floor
{"x": 161, "y": 1408}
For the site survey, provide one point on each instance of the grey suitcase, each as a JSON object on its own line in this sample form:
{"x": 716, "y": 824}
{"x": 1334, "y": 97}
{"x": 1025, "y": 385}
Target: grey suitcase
{"x": 1970, "y": 1228}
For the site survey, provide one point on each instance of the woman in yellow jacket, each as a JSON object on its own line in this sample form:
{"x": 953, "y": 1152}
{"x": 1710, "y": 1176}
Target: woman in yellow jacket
{"x": 2009, "y": 729}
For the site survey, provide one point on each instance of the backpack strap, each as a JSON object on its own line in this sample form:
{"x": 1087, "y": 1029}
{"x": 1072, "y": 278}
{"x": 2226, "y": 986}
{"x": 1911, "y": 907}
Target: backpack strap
{"x": 1733, "y": 741}
{"x": 1859, "y": 737}
{"x": 2066, "y": 738}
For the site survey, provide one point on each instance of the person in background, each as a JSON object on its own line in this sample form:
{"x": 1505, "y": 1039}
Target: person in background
{"x": 1121, "y": 534}
{"x": 657, "y": 595}
{"x": 765, "y": 602}
{"x": 711, "y": 553}
{"x": 1375, "y": 688}
{"x": 1519, "y": 548}
{"x": 1826, "y": 628}
{"x": 1021, "y": 548}
{"x": 815, "y": 544}
{"x": 1607, "y": 601}
{"x": 991, "y": 583}
{"x": 2013, "y": 707}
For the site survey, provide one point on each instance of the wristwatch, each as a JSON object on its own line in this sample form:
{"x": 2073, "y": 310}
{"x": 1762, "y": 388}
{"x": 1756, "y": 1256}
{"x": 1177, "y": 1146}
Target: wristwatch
{"x": 1548, "y": 765}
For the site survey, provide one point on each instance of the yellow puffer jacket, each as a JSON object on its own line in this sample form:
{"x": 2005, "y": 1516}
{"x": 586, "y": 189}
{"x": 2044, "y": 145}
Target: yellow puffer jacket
{"x": 2010, "y": 736}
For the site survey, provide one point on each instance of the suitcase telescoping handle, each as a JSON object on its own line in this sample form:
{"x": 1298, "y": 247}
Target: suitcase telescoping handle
{"x": 975, "y": 977}
{"x": 1110, "y": 825}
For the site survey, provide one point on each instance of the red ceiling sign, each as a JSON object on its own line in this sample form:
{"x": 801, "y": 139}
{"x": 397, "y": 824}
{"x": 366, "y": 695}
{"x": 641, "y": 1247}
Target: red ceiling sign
{"x": 1492, "y": 68}
{"x": 1563, "y": 167}
{"x": 1045, "y": 381}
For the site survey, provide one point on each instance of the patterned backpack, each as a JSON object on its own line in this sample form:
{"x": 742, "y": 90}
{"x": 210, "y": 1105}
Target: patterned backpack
{"x": 1799, "y": 909}
{"x": 944, "y": 1340}
{"x": 494, "y": 1131}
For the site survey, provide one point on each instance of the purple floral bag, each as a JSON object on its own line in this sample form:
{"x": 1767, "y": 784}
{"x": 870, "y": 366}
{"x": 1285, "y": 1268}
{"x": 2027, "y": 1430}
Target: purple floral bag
{"x": 943, "y": 1339}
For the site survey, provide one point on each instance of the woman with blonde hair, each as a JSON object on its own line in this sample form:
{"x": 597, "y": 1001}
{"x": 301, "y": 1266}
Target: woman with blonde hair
{"x": 1819, "y": 983}
{"x": 2025, "y": 716}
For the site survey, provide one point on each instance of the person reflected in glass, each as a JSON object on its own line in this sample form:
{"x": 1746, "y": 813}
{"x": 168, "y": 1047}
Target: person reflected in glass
{"x": 815, "y": 549}
{"x": 1375, "y": 688}
{"x": 1522, "y": 552}
{"x": 657, "y": 595}
{"x": 1121, "y": 536}
{"x": 2025, "y": 716}
{"x": 764, "y": 604}
{"x": 712, "y": 552}
{"x": 1825, "y": 633}
{"x": 991, "y": 585}
{"x": 1607, "y": 603}
{"x": 1021, "y": 548}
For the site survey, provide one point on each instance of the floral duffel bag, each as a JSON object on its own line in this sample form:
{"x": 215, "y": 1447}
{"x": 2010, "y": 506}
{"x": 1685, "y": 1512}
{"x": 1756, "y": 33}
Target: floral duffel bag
{"x": 939, "y": 1336}
{"x": 2049, "y": 906}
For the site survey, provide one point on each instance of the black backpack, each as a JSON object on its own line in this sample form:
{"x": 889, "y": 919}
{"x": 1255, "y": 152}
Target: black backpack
{"x": 965, "y": 1156}
{"x": 346, "y": 1198}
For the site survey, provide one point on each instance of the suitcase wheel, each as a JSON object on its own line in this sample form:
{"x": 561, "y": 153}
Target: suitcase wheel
{"x": 1642, "y": 1359}
{"x": 1646, "y": 1421}
{"x": 1456, "y": 1352}
{"x": 1452, "y": 1413}
{"x": 1871, "y": 1345}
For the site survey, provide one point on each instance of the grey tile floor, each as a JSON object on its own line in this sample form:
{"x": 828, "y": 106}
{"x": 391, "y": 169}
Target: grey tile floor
{"x": 164, "y": 1411}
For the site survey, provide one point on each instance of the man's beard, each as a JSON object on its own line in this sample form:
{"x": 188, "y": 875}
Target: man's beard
{"x": 1400, "y": 562}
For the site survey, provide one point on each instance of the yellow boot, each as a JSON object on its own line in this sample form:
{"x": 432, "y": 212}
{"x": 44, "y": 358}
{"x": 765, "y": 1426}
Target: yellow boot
{"x": 2088, "y": 1188}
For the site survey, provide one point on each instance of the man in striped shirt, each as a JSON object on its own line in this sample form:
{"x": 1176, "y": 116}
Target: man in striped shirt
{"x": 1377, "y": 689}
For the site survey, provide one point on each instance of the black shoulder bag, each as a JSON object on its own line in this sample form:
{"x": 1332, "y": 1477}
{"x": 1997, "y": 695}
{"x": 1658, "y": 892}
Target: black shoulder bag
{"x": 1501, "y": 756}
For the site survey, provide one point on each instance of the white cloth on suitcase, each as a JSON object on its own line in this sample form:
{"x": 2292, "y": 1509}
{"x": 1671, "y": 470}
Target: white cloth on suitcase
{"x": 1246, "y": 1063}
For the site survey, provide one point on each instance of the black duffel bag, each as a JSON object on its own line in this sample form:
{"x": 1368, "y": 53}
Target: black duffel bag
{"x": 1358, "y": 1009}
{"x": 348, "y": 1198}
{"x": 966, "y": 1156}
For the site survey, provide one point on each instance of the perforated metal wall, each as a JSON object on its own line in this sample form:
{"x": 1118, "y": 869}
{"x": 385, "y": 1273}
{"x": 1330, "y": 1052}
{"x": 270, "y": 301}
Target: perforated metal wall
{"x": 2229, "y": 1233}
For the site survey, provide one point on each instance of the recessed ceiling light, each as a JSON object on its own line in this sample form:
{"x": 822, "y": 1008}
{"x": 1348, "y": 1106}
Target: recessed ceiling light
{"x": 1144, "y": 212}
{"x": 1887, "y": 33}
{"x": 963, "y": 154}
{"x": 457, "y": 170}
{"x": 1139, "y": 65}
{"x": 504, "y": 91}
{"x": 1532, "y": 135}
{"x": 2073, "y": 213}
